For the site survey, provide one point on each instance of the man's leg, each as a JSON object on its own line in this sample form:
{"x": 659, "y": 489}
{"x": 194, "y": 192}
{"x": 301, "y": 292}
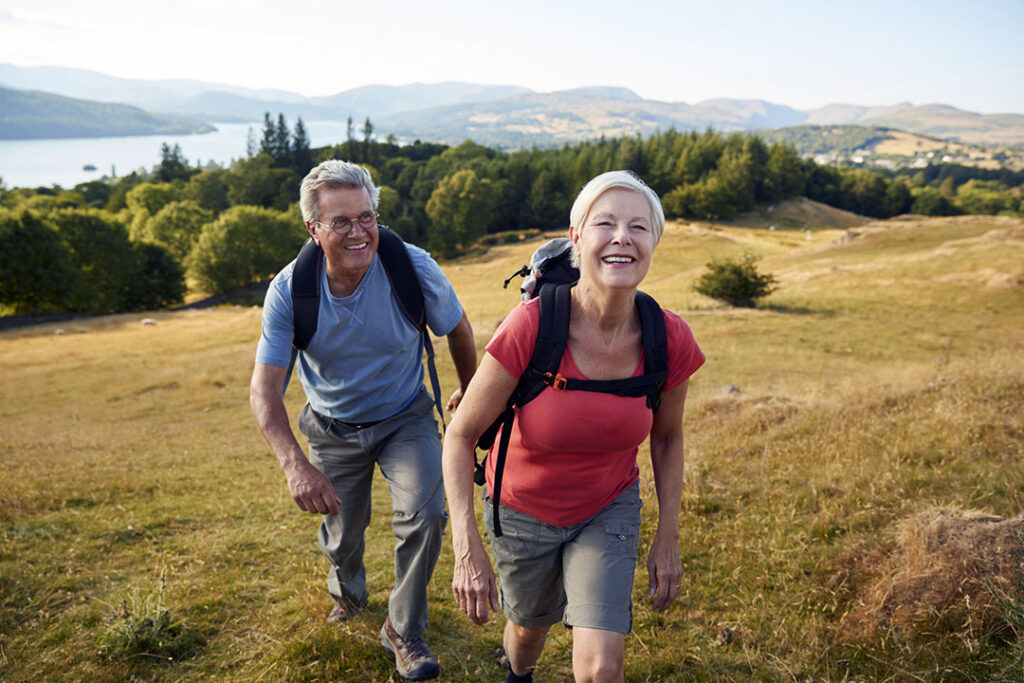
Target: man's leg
{"x": 341, "y": 458}
{"x": 410, "y": 459}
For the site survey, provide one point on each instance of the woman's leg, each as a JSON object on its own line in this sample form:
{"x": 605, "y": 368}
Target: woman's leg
{"x": 597, "y": 655}
{"x": 523, "y": 646}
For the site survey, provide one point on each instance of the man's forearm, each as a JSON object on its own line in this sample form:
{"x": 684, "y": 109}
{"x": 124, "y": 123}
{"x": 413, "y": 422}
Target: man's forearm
{"x": 462, "y": 346}
{"x": 272, "y": 418}
{"x": 273, "y": 425}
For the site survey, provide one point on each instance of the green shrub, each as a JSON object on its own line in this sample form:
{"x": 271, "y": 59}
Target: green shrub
{"x": 736, "y": 282}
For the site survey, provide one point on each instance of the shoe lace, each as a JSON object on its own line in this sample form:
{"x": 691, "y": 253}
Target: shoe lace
{"x": 418, "y": 649}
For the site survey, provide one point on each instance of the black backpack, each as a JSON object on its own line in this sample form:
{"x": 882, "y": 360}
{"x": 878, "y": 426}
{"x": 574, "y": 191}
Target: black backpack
{"x": 405, "y": 286}
{"x": 553, "y": 279}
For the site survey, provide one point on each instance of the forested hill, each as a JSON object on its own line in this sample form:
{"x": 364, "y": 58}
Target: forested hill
{"x": 28, "y": 114}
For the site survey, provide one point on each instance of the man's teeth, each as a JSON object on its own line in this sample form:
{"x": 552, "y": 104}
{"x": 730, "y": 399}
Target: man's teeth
{"x": 617, "y": 259}
{"x": 356, "y": 247}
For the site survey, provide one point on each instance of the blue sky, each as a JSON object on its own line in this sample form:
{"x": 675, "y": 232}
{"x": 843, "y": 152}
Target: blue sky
{"x": 803, "y": 54}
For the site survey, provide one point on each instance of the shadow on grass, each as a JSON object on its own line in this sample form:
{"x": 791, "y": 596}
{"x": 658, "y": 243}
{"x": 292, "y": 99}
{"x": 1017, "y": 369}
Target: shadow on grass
{"x": 796, "y": 310}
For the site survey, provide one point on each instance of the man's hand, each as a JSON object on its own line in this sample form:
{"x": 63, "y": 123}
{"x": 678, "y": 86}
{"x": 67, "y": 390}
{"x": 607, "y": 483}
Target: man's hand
{"x": 454, "y": 401}
{"x": 664, "y": 571}
{"x": 311, "y": 490}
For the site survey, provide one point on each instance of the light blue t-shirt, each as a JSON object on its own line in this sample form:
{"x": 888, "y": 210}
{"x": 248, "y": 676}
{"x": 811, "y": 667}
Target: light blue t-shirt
{"x": 365, "y": 361}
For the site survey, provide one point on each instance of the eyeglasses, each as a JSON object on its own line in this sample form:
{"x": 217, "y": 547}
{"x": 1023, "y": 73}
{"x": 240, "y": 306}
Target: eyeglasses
{"x": 344, "y": 226}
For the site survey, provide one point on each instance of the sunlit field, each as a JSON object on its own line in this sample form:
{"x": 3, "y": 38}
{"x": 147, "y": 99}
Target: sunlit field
{"x": 882, "y": 383}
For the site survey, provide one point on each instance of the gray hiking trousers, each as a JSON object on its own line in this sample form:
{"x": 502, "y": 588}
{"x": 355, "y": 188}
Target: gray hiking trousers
{"x": 407, "y": 448}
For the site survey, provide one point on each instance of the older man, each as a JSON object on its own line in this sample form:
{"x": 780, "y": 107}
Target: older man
{"x": 362, "y": 372}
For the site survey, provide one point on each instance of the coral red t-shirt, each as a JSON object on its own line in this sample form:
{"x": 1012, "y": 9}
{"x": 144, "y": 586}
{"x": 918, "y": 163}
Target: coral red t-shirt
{"x": 571, "y": 453}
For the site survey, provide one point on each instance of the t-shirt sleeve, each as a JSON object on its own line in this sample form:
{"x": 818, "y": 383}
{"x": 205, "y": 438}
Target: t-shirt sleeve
{"x": 444, "y": 311}
{"x": 684, "y": 355}
{"x": 513, "y": 342}
{"x": 278, "y": 327}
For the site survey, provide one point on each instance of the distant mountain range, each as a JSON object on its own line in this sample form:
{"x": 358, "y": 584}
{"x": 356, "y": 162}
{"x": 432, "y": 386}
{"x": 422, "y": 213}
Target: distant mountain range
{"x": 499, "y": 116}
{"x": 28, "y": 114}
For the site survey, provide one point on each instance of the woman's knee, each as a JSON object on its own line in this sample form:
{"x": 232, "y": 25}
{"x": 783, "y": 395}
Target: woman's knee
{"x": 597, "y": 656}
{"x": 526, "y": 635}
{"x": 600, "y": 669}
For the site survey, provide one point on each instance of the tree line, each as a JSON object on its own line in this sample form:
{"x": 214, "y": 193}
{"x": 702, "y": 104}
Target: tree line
{"x": 136, "y": 241}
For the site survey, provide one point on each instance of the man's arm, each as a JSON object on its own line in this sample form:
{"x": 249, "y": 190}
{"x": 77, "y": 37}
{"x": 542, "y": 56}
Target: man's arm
{"x": 310, "y": 489}
{"x": 462, "y": 347}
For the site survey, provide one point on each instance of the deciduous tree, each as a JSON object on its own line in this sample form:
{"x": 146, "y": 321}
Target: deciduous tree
{"x": 244, "y": 244}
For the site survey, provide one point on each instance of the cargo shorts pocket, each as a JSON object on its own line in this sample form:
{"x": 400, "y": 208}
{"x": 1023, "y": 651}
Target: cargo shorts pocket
{"x": 517, "y": 534}
{"x": 621, "y": 538}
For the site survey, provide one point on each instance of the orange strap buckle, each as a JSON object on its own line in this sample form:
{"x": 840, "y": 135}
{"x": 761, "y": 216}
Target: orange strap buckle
{"x": 557, "y": 381}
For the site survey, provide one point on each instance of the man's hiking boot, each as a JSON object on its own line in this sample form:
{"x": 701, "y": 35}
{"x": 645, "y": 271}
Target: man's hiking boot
{"x": 343, "y": 610}
{"x": 413, "y": 658}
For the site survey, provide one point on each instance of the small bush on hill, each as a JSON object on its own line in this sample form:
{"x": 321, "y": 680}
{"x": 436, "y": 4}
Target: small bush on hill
{"x": 736, "y": 282}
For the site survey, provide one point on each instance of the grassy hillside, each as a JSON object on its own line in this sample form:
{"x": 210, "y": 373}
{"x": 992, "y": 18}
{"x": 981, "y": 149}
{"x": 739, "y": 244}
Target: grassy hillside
{"x": 884, "y": 379}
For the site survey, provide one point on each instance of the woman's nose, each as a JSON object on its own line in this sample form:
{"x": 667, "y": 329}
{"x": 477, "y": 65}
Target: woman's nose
{"x": 621, "y": 233}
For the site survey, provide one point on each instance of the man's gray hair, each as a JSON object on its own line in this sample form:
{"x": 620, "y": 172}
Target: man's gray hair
{"x": 333, "y": 174}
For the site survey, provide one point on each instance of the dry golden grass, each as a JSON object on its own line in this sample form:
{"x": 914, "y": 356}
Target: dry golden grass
{"x": 885, "y": 378}
{"x": 939, "y": 570}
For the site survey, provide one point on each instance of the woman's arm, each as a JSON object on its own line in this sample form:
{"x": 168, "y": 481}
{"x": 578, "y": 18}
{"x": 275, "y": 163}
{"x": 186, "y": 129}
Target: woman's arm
{"x": 474, "y": 583}
{"x": 664, "y": 568}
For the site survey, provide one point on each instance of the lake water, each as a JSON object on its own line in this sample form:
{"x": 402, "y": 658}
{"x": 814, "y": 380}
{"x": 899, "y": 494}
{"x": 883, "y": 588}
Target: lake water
{"x": 34, "y": 163}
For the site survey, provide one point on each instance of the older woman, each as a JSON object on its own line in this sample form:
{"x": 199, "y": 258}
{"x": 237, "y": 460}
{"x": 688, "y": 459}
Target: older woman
{"x": 570, "y": 503}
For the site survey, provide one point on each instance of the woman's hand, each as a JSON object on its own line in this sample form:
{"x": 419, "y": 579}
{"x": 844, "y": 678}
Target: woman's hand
{"x": 474, "y": 583}
{"x": 664, "y": 570}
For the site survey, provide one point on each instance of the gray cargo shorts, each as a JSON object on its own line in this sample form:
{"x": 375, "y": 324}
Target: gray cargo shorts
{"x": 580, "y": 574}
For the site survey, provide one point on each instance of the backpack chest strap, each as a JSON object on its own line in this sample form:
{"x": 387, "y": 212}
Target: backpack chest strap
{"x": 640, "y": 385}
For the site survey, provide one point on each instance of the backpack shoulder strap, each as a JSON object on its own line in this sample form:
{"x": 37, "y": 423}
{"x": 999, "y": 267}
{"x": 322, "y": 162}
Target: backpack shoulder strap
{"x": 404, "y": 282}
{"x": 655, "y": 340}
{"x": 405, "y": 285}
{"x": 555, "y": 307}
{"x": 306, "y": 293}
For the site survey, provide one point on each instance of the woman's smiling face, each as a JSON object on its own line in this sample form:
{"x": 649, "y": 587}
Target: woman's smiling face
{"x": 616, "y": 240}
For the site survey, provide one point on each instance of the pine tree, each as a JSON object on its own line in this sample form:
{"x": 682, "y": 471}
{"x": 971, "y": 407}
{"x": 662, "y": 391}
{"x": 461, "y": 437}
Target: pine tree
{"x": 302, "y": 155}
{"x": 267, "y": 143}
{"x": 350, "y": 139}
{"x": 282, "y": 155}
{"x": 367, "y": 132}
{"x": 251, "y": 148}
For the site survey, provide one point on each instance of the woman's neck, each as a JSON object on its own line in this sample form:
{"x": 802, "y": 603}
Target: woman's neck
{"x": 608, "y": 312}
